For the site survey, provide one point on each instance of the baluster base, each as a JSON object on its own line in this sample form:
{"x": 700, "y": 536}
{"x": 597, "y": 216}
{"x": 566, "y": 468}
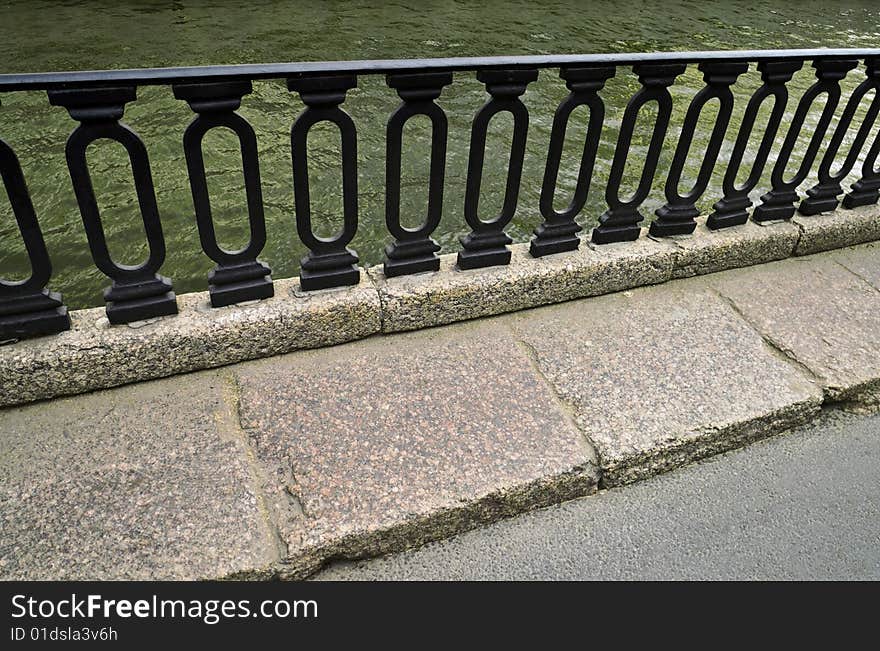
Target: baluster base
{"x": 864, "y": 193}
{"x": 484, "y": 250}
{"x": 328, "y": 270}
{"x": 555, "y": 238}
{"x": 33, "y": 315}
{"x": 674, "y": 220}
{"x": 821, "y": 199}
{"x": 412, "y": 257}
{"x": 140, "y": 300}
{"x": 776, "y": 205}
{"x": 617, "y": 226}
{"x": 729, "y": 212}
{"x": 232, "y": 284}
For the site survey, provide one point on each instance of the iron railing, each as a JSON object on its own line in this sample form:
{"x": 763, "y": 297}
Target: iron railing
{"x": 97, "y": 100}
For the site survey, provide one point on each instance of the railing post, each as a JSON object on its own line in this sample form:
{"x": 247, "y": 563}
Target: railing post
{"x": 137, "y": 292}
{"x": 558, "y": 232}
{"x": 486, "y": 244}
{"x": 732, "y": 209}
{"x": 823, "y": 195}
{"x": 329, "y": 263}
{"x": 413, "y": 250}
{"x": 239, "y": 276}
{"x": 779, "y": 203}
{"x": 620, "y": 223}
{"x": 27, "y": 308}
{"x": 678, "y": 216}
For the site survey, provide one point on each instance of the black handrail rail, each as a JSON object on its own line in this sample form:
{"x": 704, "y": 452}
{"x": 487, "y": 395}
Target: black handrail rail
{"x": 252, "y": 71}
{"x": 97, "y": 100}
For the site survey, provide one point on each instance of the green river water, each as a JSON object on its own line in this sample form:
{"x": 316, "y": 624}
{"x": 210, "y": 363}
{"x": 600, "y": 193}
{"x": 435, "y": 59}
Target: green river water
{"x": 100, "y": 34}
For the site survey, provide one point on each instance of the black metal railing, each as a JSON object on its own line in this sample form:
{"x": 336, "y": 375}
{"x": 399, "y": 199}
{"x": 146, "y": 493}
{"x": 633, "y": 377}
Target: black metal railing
{"x": 97, "y": 101}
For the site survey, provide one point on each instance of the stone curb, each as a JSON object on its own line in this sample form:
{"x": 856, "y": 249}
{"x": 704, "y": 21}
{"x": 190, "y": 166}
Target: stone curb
{"x": 93, "y": 355}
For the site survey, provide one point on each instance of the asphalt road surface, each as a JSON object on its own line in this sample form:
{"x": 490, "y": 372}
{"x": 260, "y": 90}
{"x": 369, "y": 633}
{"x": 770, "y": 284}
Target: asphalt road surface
{"x": 804, "y": 505}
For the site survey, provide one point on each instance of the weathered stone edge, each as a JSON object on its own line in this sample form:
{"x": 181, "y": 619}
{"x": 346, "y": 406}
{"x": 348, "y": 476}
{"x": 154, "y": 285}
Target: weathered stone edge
{"x": 578, "y": 481}
{"x": 706, "y": 443}
{"x": 93, "y": 355}
{"x": 450, "y": 295}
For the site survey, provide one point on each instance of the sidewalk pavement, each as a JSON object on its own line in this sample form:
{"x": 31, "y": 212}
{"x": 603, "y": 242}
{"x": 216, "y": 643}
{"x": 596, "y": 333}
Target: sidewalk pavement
{"x": 271, "y": 468}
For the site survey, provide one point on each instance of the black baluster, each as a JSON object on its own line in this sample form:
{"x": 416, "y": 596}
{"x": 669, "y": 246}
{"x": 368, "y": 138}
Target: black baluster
{"x": 413, "y": 250}
{"x": 779, "y": 203}
{"x": 239, "y": 276}
{"x": 487, "y": 244}
{"x": 823, "y": 195}
{"x": 27, "y": 308}
{"x": 866, "y": 191}
{"x": 732, "y": 209}
{"x": 678, "y": 216}
{"x": 137, "y": 292}
{"x": 329, "y": 263}
{"x": 559, "y": 230}
{"x": 620, "y": 222}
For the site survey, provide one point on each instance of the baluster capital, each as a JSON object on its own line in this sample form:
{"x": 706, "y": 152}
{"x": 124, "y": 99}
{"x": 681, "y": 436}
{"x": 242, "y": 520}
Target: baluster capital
{"x": 96, "y": 104}
{"x": 503, "y": 84}
{"x": 872, "y": 67}
{"x": 217, "y": 97}
{"x": 586, "y": 79}
{"x": 326, "y": 90}
{"x": 833, "y": 69}
{"x": 722, "y": 73}
{"x": 658, "y": 75}
{"x": 419, "y": 87}
{"x": 778, "y": 72}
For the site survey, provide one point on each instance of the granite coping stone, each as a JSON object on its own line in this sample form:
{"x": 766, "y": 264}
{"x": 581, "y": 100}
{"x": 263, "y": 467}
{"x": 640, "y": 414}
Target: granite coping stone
{"x": 837, "y": 229}
{"x": 94, "y": 355}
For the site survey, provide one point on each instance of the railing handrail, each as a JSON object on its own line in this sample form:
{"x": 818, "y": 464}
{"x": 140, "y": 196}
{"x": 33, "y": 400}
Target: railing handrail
{"x": 252, "y": 71}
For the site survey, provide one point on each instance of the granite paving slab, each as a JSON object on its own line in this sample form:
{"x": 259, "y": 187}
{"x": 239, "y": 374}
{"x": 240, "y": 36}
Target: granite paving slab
{"x": 389, "y": 443}
{"x": 143, "y": 482}
{"x": 820, "y": 314}
{"x": 662, "y": 376}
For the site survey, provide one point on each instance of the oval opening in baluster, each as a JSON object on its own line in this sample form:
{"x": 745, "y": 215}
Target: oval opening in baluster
{"x": 113, "y": 182}
{"x": 15, "y": 264}
{"x": 496, "y": 163}
{"x": 643, "y": 130}
{"x": 570, "y": 161}
{"x": 324, "y": 147}
{"x": 415, "y": 172}
{"x": 224, "y": 174}
{"x": 850, "y": 136}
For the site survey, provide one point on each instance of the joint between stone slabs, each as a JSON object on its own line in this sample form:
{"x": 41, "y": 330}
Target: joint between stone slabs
{"x": 232, "y": 400}
{"x": 837, "y": 229}
{"x": 772, "y": 346}
{"x": 567, "y": 410}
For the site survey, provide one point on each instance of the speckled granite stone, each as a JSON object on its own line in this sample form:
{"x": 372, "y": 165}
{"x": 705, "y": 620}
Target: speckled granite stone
{"x": 708, "y": 251}
{"x": 662, "y": 376}
{"x": 820, "y": 314}
{"x": 94, "y": 355}
{"x": 837, "y": 229}
{"x": 864, "y": 261}
{"x": 142, "y": 482}
{"x": 450, "y": 295}
{"x": 388, "y": 443}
